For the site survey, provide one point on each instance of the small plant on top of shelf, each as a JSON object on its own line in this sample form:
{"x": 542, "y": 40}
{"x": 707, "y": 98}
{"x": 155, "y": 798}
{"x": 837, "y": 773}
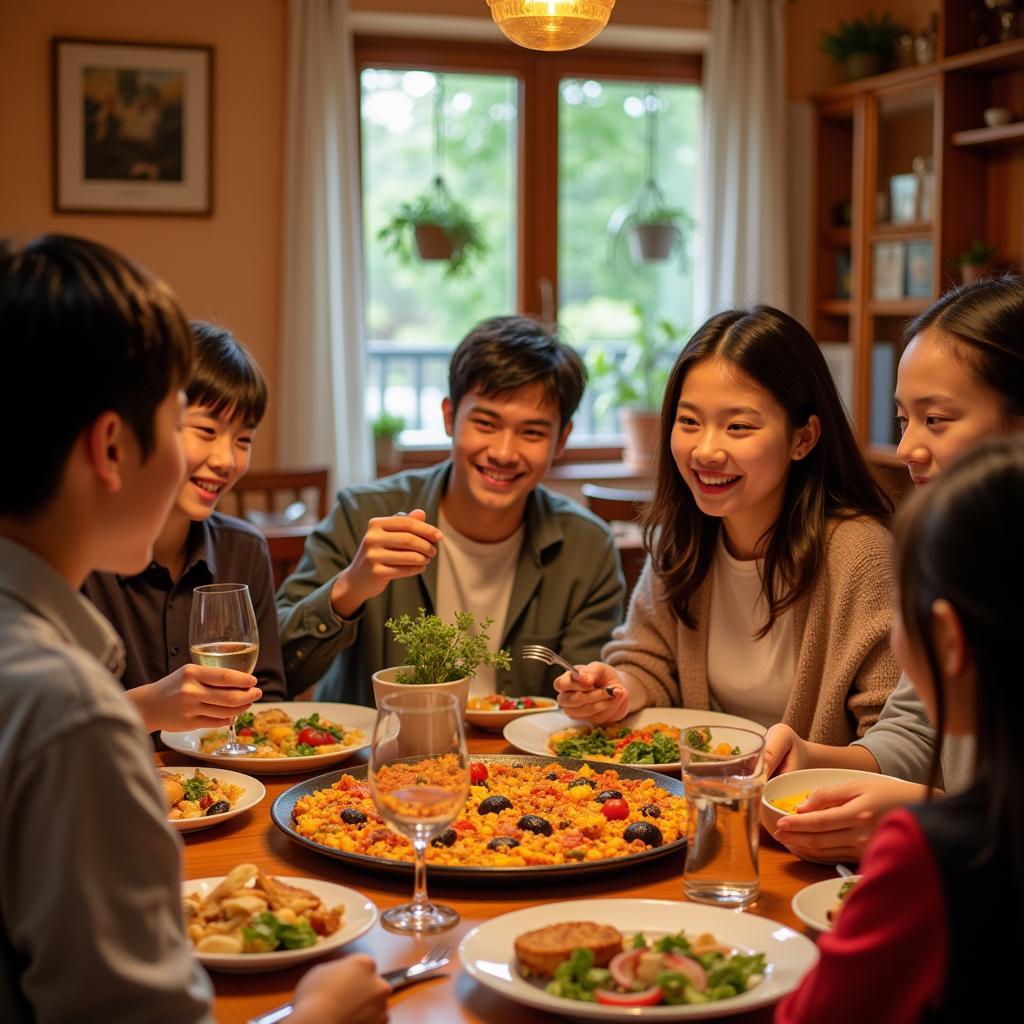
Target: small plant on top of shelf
{"x": 864, "y": 46}
{"x": 975, "y": 260}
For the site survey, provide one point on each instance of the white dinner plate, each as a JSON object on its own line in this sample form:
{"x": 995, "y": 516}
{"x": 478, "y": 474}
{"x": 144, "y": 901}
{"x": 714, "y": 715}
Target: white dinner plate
{"x": 495, "y": 721}
{"x": 488, "y": 953}
{"x": 360, "y": 916}
{"x": 811, "y": 904}
{"x": 531, "y": 735}
{"x": 351, "y": 716}
{"x": 252, "y": 795}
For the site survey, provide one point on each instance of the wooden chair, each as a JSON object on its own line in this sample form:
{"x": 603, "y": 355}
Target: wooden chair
{"x": 271, "y": 492}
{"x": 621, "y": 509}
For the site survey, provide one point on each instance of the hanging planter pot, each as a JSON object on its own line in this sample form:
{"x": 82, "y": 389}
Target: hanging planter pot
{"x": 433, "y": 242}
{"x": 653, "y": 241}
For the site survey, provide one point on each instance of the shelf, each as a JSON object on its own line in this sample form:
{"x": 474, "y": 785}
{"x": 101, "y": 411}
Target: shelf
{"x": 1001, "y": 135}
{"x": 902, "y": 233}
{"x": 838, "y": 237}
{"x": 898, "y": 307}
{"x": 834, "y": 307}
{"x": 997, "y": 57}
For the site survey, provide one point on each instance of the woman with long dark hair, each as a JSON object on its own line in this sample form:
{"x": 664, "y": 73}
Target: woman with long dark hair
{"x": 960, "y": 381}
{"x": 767, "y": 589}
{"x": 931, "y": 874}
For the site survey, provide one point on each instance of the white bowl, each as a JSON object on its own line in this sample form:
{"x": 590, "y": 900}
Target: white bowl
{"x": 496, "y": 720}
{"x": 813, "y": 902}
{"x": 995, "y": 116}
{"x": 798, "y": 783}
{"x": 360, "y": 916}
{"x": 253, "y": 793}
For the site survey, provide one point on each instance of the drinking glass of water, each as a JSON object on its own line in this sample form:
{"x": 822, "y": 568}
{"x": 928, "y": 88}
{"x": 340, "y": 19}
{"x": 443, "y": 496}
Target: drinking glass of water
{"x": 419, "y": 781}
{"x": 723, "y": 775}
{"x": 222, "y": 633}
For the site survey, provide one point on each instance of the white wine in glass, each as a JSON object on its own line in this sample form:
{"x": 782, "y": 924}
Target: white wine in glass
{"x": 222, "y": 633}
{"x": 419, "y": 781}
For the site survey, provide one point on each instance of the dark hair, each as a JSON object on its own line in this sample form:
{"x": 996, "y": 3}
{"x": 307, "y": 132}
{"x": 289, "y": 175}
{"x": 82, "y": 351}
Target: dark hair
{"x": 986, "y": 319}
{"x": 507, "y": 353}
{"x": 225, "y": 376}
{"x": 959, "y": 539}
{"x": 832, "y": 481}
{"x": 85, "y": 331}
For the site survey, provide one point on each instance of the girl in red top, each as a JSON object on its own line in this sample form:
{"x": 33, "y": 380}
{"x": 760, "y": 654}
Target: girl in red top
{"x": 926, "y": 933}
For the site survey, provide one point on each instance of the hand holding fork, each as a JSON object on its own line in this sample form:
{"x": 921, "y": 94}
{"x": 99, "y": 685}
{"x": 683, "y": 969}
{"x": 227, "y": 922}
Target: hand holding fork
{"x": 594, "y": 693}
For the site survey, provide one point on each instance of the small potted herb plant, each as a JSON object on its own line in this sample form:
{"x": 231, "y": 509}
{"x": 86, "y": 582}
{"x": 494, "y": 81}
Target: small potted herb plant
{"x": 975, "y": 260}
{"x": 441, "y": 655}
{"x": 386, "y": 428}
{"x": 863, "y": 46}
{"x": 653, "y": 230}
{"x": 635, "y": 384}
{"x": 434, "y": 226}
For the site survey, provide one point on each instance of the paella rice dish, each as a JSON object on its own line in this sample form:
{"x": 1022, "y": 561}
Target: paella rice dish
{"x": 517, "y": 815}
{"x": 250, "y": 912}
{"x": 274, "y": 733}
{"x": 199, "y": 796}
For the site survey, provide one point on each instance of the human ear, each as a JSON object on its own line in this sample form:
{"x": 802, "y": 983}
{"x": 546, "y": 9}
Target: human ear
{"x": 806, "y": 437}
{"x": 563, "y": 439}
{"x": 448, "y": 412}
{"x": 950, "y": 643}
{"x": 104, "y": 441}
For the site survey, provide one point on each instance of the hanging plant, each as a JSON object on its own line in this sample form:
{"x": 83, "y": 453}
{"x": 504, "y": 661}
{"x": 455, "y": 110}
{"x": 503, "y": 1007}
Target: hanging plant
{"x": 652, "y": 230}
{"x": 434, "y": 225}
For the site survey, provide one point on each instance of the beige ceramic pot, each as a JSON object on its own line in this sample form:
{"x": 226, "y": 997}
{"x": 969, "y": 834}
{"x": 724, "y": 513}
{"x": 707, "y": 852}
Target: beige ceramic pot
{"x": 640, "y": 429}
{"x": 384, "y": 683}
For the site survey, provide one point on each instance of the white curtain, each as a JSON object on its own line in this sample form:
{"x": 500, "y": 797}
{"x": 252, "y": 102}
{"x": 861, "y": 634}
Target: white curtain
{"x": 743, "y": 223}
{"x": 322, "y": 365}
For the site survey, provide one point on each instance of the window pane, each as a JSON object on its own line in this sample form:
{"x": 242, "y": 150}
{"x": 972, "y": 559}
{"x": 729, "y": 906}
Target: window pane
{"x": 602, "y": 165}
{"x": 414, "y": 314}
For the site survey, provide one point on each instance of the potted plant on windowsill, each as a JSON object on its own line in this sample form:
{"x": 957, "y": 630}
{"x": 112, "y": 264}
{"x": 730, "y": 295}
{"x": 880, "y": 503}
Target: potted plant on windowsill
{"x": 634, "y": 384}
{"x": 386, "y": 428}
{"x": 441, "y": 655}
{"x": 434, "y": 226}
{"x": 975, "y": 260}
{"x": 863, "y": 46}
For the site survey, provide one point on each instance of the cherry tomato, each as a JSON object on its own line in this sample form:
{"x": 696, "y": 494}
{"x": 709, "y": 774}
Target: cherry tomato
{"x": 507, "y": 705}
{"x": 314, "y": 737}
{"x": 649, "y": 997}
{"x": 477, "y": 772}
{"x": 244, "y": 732}
{"x": 205, "y": 802}
{"x": 527, "y": 702}
{"x": 615, "y": 810}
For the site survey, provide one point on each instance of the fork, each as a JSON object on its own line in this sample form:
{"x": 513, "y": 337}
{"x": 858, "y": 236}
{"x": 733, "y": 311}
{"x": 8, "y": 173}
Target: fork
{"x": 538, "y": 652}
{"x": 399, "y": 977}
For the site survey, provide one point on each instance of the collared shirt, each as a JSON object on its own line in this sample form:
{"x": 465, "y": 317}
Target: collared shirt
{"x": 567, "y": 592}
{"x": 90, "y": 897}
{"x": 151, "y": 611}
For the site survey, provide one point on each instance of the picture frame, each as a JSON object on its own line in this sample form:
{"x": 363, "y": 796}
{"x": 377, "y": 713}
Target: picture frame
{"x": 132, "y": 127}
{"x": 920, "y": 264}
{"x": 889, "y": 260}
{"x": 903, "y": 198}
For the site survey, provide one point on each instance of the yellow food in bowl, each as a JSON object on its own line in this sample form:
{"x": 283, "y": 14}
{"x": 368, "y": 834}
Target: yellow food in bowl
{"x": 789, "y": 804}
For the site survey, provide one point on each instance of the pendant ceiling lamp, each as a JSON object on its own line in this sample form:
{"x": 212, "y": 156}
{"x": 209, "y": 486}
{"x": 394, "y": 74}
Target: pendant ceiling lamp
{"x": 551, "y": 24}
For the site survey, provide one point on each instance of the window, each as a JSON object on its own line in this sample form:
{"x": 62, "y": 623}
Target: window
{"x": 547, "y": 151}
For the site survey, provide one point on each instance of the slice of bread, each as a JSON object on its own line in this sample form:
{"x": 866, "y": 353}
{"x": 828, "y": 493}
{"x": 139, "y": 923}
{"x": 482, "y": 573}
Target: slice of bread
{"x": 543, "y": 949}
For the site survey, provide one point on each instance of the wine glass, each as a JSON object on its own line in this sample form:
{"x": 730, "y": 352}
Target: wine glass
{"x": 419, "y": 781}
{"x": 222, "y": 633}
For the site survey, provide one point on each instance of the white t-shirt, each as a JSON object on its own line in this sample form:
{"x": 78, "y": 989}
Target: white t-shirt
{"x": 746, "y": 676}
{"x": 478, "y": 578}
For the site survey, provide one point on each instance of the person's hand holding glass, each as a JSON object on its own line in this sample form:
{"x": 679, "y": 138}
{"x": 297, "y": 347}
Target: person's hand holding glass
{"x": 419, "y": 781}
{"x": 222, "y": 633}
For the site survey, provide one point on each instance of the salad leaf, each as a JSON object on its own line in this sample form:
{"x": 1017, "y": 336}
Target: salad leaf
{"x": 297, "y": 936}
{"x": 731, "y": 972}
{"x": 577, "y": 977}
{"x": 313, "y": 721}
{"x": 196, "y": 788}
{"x": 245, "y": 720}
{"x": 585, "y": 746}
{"x": 260, "y": 935}
{"x": 301, "y": 750}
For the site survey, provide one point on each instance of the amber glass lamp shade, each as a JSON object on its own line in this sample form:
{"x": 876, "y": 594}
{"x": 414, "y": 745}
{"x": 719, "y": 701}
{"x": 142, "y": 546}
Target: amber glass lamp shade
{"x": 551, "y": 24}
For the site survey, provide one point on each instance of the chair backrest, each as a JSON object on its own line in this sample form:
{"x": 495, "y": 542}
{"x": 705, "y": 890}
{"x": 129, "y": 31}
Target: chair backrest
{"x": 615, "y": 504}
{"x": 272, "y": 491}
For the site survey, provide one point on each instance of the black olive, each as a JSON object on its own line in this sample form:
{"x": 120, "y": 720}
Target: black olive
{"x": 218, "y": 808}
{"x": 650, "y": 811}
{"x": 553, "y": 776}
{"x": 494, "y": 805}
{"x": 582, "y": 782}
{"x": 446, "y": 838}
{"x": 645, "y": 831}
{"x": 608, "y": 794}
{"x": 352, "y": 816}
{"x": 536, "y": 824}
{"x": 502, "y": 843}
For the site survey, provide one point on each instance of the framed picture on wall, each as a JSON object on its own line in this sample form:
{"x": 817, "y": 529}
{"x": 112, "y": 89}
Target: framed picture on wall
{"x": 132, "y": 128}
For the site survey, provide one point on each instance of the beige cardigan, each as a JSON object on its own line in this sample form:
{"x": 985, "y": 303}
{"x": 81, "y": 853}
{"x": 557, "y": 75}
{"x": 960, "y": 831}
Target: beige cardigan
{"x": 844, "y": 667}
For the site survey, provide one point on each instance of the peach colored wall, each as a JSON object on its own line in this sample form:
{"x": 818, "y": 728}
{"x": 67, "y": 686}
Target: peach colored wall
{"x": 810, "y": 70}
{"x": 225, "y": 267}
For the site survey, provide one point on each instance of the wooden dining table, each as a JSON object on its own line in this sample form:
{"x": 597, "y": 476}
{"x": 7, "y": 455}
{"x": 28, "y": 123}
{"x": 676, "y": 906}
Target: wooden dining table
{"x": 451, "y": 996}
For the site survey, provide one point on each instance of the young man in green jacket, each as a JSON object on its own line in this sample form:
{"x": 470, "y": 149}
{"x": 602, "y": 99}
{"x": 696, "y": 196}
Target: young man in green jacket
{"x": 477, "y": 533}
